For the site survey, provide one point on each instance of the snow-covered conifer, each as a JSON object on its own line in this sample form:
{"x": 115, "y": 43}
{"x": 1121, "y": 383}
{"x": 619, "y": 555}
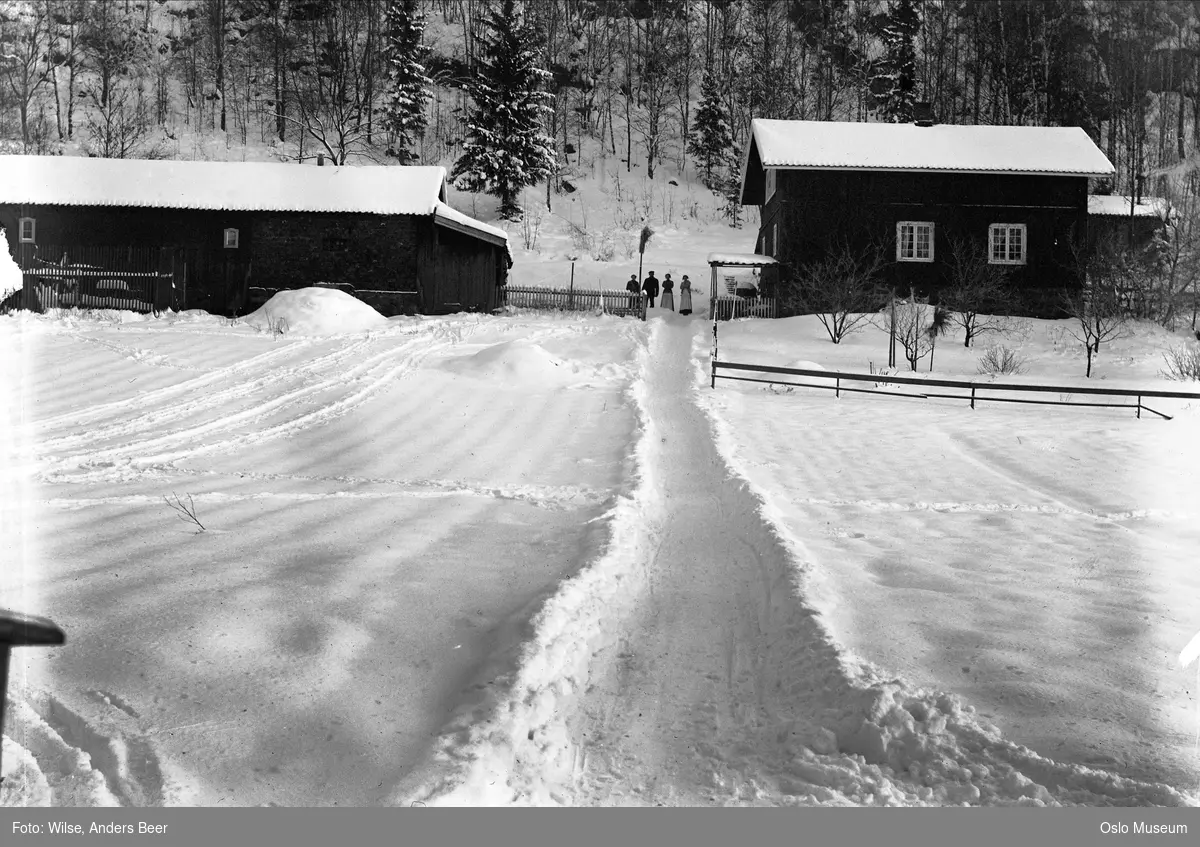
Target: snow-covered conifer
{"x": 895, "y": 80}
{"x": 507, "y": 148}
{"x": 408, "y": 84}
{"x": 711, "y": 140}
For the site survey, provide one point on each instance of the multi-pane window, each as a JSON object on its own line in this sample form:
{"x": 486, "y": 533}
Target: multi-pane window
{"x": 231, "y": 239}
{"x": 914, "y": 241}
{"x": 1006, "y": 244}
{"x": 28, "y": 230}
{"x": 770, "y": 183}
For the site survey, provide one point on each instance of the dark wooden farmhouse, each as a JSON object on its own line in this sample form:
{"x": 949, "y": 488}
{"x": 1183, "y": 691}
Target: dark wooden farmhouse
{"x": 1113, "y": 218}
{"x": 912, "y": 190}
{"x": 221, "y": 230}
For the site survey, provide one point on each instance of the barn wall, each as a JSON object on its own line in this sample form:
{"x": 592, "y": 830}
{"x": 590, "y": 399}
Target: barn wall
{"x": 451, "y": 271}
{"x": 464, "y": 273}
{"x": 815, "y": 210}
{"x": 194, "y": 238}
{"x": 296, "y": 249}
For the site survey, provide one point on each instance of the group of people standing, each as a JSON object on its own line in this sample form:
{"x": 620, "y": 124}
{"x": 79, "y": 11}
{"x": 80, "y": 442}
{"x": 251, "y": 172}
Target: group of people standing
{"x": 650, "y": 288}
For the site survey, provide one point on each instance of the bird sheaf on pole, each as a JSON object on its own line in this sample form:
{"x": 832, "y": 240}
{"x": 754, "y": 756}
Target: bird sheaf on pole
{"x": 646, "y": 233}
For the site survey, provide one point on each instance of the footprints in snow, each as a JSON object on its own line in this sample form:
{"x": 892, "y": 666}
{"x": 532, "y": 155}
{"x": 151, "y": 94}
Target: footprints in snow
{"x": 90, "y": 753}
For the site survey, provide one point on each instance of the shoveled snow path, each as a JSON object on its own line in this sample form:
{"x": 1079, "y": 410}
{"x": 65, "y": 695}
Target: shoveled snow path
{"x": 694, "y": 685}
{"x": 686, "y": 666}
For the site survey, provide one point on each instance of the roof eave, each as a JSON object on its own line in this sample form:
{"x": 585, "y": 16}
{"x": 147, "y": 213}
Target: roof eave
{"x": 997, "y": 172}
{"x": 472, "y": 231}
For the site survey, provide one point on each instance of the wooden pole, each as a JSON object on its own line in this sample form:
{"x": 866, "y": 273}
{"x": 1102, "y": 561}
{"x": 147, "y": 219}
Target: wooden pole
{"x": 571, "y": 296}
{"x": 18, "y": 630}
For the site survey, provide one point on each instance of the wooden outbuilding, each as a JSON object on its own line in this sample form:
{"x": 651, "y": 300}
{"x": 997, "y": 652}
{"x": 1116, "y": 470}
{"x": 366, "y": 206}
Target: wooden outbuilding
{"x": 220, "y": 231}
{"x": 1116, "y": 222}
{"x": 912, "y": 190}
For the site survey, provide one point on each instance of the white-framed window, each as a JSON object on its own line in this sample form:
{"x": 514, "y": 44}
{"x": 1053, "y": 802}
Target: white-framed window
{"x": 28, "y": 230}
{"x": 231, "y": 239}
{"x": 1007, "y": 244}
{"x": 914, "y": 241}
{"x": 770, "y": 184}
{"x": 774, "y": 239}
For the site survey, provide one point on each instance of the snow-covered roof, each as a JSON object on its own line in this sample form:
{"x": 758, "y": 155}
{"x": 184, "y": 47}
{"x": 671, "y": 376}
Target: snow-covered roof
{"x": 231, "y": 186}
{"x": 454, "y": 219}
{"x": 742, "y": 260}
{"x": 1065, "y": 151}
{"x": 1116, "y": 205}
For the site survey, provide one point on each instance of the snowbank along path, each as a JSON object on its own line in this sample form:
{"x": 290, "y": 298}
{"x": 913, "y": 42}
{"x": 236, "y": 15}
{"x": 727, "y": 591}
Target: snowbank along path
{"x": 685, "y": 666}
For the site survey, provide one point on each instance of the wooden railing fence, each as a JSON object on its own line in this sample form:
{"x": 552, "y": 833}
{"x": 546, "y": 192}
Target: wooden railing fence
{"x": 975, "y": 391}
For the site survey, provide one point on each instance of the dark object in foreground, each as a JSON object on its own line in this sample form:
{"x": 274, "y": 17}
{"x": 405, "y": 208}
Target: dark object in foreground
{"x": 17, "y": 630}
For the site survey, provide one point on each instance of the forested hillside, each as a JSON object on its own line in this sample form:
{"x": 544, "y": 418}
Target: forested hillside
{"x": 669, "y": 84}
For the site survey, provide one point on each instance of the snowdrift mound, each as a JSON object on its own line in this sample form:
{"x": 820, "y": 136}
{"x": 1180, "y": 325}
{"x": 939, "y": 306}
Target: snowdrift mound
{"x": 315, "y": 311}
{"x": 525, "y": 363}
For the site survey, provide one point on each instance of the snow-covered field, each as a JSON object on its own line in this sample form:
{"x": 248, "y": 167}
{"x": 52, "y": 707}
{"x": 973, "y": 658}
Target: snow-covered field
{"x": 535, "y": 559}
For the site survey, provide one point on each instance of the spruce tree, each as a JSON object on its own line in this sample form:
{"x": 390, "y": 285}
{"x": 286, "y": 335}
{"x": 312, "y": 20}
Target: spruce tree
{"x": 895, "y": 80}
{"x": 508, "y": 149}
{"x": 711, "y": 140}
{"x": 408, "y": 85}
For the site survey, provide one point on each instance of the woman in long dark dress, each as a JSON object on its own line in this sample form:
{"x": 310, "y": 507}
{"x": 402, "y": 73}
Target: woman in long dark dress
{"x": 685, "y": 296}
{"x": 668, "y": 293}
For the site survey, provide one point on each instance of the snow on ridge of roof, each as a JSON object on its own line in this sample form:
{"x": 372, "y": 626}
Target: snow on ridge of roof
{"x": 1116, "y": 205}
{"x": 1066, "y": 151}
{"x": 745, "y": 260}
{"x": 221, "y": 186}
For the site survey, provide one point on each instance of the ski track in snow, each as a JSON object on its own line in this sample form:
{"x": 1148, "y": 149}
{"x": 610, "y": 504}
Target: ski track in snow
{"x": 258, "y": 391}
{"x": 685, "y": 667}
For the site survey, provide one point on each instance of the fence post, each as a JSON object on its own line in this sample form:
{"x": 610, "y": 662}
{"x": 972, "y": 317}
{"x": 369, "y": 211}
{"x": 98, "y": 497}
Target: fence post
{"x": 972, "y": 397}
{"x": 17, "y": 630}
{"x": 1139, "y": 407}
{"x": 837, "y": 387}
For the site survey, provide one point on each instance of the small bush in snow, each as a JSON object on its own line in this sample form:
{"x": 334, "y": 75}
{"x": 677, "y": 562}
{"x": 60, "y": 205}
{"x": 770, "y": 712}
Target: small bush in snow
{"x": 581, "y": 240}
{"x": 275, "y": 325}
{"x": 999, "y": 359}
{"x": 1183, "y": 363}
{"x": 187, "y": 511}
{"x": 605, "y": 250}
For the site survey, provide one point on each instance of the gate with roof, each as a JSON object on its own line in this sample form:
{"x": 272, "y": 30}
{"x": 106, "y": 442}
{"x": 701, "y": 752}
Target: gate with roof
{"x": 727, "y": 300}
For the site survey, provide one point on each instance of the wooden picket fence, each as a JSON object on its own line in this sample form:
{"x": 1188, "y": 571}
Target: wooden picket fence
{"x": 612, "y": 302}
{"x": 729, "y": 306}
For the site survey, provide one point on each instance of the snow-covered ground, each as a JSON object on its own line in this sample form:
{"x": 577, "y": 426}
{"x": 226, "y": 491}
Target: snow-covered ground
{"x": 535, "y": 559}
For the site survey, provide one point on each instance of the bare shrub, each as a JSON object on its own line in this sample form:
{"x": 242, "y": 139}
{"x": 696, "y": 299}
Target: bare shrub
{"x": 604, "y": 250}
{"x": 1183, "y": 363}
{"x": 978, "y": 292}
{"x": 531, "y": 226}
{"x": 187, "y": 511}
{"x": 582, "y": 241}
{"x": 1098, "y": 312}
{"x": 917, "y": 327}
{"x": 1000, "y": 360}
{"x": 842, "y": 289}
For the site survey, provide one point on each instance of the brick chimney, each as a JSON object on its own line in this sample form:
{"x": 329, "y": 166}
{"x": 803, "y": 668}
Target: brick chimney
{"x": 923, "y": 113}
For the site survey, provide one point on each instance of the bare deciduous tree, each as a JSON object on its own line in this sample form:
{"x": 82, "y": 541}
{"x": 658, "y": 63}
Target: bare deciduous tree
{"x": 842, "y": 289}
{"x": 978, "y": 293}
{"x": 1098, "y": 309}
